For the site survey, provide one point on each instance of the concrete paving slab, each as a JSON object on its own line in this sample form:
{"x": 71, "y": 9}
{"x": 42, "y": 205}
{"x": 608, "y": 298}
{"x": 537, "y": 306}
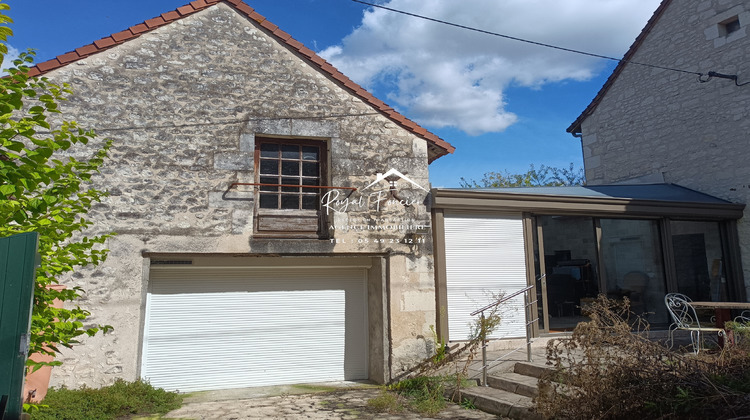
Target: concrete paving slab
{"x": 311, "y": 401}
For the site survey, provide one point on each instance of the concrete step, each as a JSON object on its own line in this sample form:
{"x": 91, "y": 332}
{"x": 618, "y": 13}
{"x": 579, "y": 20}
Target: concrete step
{"x": 499, "y": 402}
{"x": 536, "y": 370}
{"x": 515, "y": 382}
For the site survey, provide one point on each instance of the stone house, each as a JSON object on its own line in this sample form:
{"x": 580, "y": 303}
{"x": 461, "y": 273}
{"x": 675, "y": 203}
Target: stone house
{"x": 665, "y": 154}
{"x": 650, "y": 124}
{"x": 271, "y": 215}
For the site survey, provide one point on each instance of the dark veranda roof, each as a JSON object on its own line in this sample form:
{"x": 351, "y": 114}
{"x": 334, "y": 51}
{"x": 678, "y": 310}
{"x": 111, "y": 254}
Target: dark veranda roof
{"x": 622, "y": 200}
{"x": 658, "y": 192}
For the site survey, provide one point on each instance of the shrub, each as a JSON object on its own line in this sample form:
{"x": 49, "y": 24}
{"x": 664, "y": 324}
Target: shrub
{"x": 386, "y": 402}
{"x": 611, "y": 370}
{"x": 425, "y": 393}
{"x": 111, "y": 402}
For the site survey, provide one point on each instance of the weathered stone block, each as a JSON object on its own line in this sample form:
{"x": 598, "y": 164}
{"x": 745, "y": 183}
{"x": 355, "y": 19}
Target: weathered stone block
{"x": 233, "y": 161}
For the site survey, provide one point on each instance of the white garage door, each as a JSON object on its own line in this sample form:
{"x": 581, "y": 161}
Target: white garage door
{"x": 484, "y": 257}
{"x": 217, "y": 328}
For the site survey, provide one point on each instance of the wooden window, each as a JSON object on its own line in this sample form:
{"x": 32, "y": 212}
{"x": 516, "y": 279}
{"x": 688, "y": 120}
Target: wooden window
{"x": 283, "y": 168}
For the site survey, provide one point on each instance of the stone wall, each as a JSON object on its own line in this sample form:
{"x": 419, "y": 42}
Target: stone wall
{"x": 183, "y": 104}
{"x": 655, "y": 125}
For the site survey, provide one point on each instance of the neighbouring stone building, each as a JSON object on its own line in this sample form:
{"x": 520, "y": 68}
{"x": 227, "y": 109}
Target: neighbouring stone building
{"x": 652, "y": 124}
{"x": 225, "y": 272}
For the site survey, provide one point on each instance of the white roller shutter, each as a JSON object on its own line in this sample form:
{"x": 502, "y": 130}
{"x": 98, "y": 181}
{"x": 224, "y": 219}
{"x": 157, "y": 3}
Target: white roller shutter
{"x": 217, "y": 328}
{"x": 484, "y": 255}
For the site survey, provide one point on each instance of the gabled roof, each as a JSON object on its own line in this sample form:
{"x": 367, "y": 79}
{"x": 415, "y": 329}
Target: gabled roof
{"x": 437, "y": 147}
{"x": 575, "y": 128}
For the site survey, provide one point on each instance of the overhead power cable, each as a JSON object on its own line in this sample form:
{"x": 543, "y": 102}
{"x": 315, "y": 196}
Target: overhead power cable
{"x": 703, "y": 77}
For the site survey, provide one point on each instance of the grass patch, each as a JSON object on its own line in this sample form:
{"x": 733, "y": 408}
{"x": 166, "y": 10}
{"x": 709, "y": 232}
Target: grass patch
{"x": 118, "y": 400}
{"x": 386, "y": 402}
{"x": 316, "y": 388}
{"x": 426, "y": 394}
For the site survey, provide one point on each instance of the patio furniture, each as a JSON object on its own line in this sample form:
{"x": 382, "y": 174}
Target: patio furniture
{"x": 683, "y": 314}
{"x": 743, "y": 317}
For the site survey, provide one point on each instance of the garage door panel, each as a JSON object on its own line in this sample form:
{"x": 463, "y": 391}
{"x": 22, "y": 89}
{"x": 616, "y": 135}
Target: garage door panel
{"x": 238, "y": 328}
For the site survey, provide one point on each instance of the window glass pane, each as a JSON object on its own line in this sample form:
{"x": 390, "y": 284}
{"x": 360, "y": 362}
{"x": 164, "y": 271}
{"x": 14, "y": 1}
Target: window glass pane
{"x": 310, "y": 153}
{"x": 269, "y": 167}
{"x": 310, "y": 202}
{"x": 269, "y": 150}
{"x": 289, "y": 151}
{"x": 699, "y": 261}
{"x": 290, "y": 181}
{"x": 310, "y": 168}
{"x": 269, "y": 180}
{"x": 570, "y": 265}
{"x": 290, "y": 201}
{"x": 290, "y": 168}
{"x": 269, "y": 201}
{"x": 632, "y": 261}
{"x": 310, "y": 181}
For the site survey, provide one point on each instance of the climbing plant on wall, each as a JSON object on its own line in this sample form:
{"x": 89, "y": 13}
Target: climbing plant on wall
{"x": 46, "y": 190}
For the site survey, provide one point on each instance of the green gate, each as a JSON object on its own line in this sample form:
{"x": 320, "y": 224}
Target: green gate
{"x": 18, "y": 262}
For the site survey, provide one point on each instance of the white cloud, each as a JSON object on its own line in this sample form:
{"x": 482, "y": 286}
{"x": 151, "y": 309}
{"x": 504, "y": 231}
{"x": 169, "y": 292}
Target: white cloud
{"x": 446, "y": 76}
{"x": 8, "y": 59}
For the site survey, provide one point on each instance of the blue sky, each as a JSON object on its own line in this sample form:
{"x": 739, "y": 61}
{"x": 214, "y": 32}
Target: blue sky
{"x": 504, "y": 105}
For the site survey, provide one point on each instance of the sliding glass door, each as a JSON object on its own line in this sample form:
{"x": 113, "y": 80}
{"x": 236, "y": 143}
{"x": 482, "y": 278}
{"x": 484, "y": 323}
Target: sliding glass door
{"x": 633, "y": 265}
{"x": 568, "y": 252}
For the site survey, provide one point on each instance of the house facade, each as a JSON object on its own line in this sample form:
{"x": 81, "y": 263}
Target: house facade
{"x": 652, "y": 124}
{"x": 271, "y": 216}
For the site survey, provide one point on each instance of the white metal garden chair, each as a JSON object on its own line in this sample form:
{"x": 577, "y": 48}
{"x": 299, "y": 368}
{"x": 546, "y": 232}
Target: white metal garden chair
{"x": 743, "y": 317}
{"x": 684, "y": 317}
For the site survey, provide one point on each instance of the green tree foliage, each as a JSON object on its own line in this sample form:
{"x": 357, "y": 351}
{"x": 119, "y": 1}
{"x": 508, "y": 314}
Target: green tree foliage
{"x": 545, "y": 176}
{"x": 43, "y": 189}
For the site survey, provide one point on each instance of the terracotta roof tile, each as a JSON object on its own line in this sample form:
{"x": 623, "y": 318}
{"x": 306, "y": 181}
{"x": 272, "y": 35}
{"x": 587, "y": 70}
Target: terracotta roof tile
{"x": 351, "y": 85}
{"x": 435, "y": 143}
{"x": 48, "y": 65}
{"x": 307, "y": 52}
{"x": 256, "y": 16}
{"x": 271, "y": 27}
{"x": 327, "y": 67}
{"x": 281, "y": 34}
{"x": 317, "y": 59}
{"x": 155, "y": 22}
{"x": 122, "y": 36}
{"x": 86, "y": 50}
{"x": 170, "y": 16}
{"x": 185, "y": 10}
{"x": 138, "y": 29}
{"x": 68, "y": 57}
{"x": 242, "y": 7}
{"x": 104, "y": 43}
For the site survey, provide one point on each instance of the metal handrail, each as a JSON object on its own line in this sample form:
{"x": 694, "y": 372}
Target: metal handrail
{"x": 320, "y": 187}
{"x": 503, "y": 299}
{"x": 529, "y": 322}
